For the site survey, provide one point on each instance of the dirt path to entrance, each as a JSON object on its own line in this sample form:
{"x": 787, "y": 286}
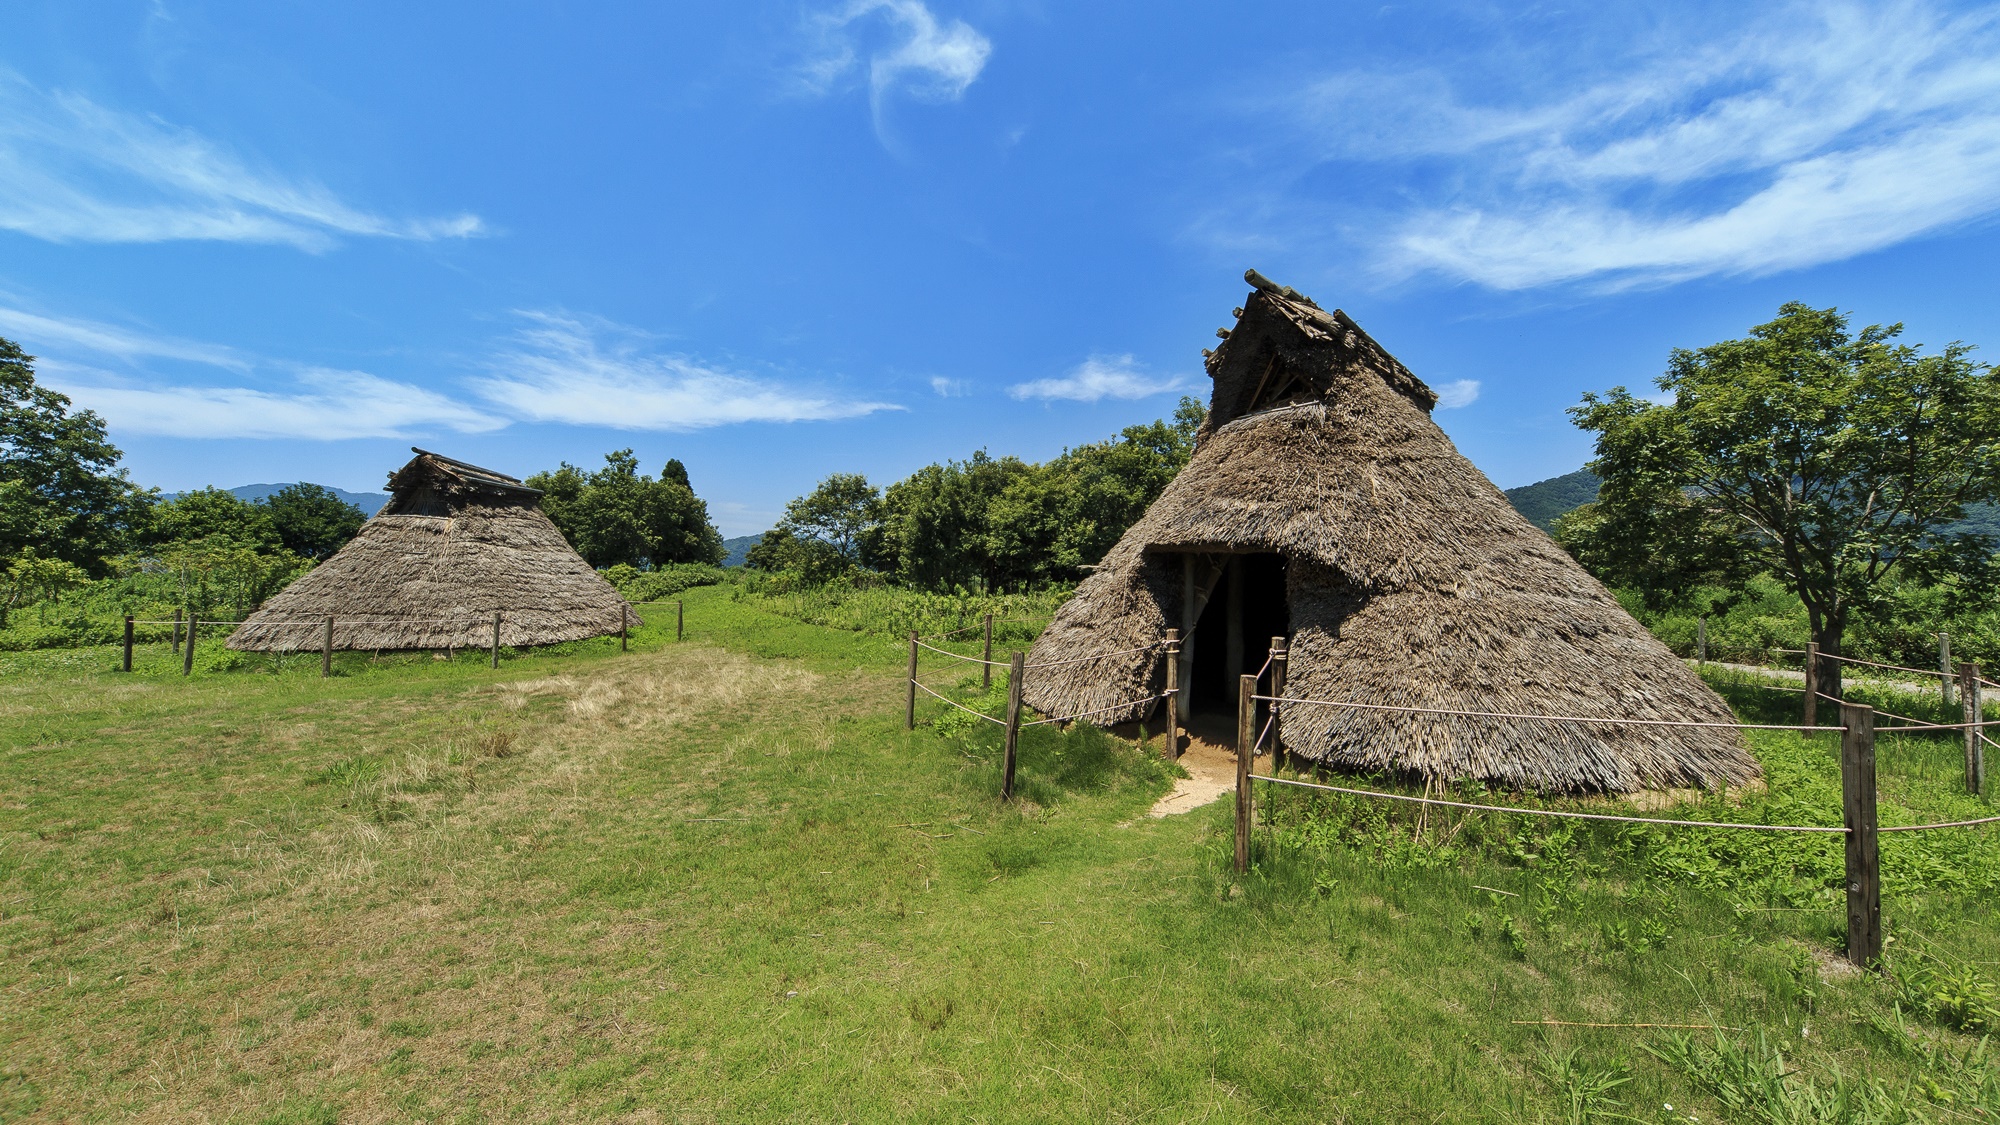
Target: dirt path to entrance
{"x": 1209, "y": 757}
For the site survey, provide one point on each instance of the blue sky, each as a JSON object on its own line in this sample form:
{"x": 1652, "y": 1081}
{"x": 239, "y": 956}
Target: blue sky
{"x": 274, "y": 242}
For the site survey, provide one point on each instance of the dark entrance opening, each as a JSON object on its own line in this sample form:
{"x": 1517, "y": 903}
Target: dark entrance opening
{"x": 1247, "y": 608}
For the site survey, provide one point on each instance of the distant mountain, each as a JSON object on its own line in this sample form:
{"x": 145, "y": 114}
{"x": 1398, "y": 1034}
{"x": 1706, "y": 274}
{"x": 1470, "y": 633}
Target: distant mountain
{"x": 738, "y": 548}
{"x": 1543, "y": 501}
{"x": 368, "y": 502}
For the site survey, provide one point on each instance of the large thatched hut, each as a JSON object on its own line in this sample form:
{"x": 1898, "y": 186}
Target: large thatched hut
{"x": 454, "y": 545}
{"x": 1323, "y": 504}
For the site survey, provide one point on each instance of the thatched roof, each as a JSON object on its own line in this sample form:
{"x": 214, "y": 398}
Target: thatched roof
{"x": 1411, "y": 582}
{"x": 454, "y": 544}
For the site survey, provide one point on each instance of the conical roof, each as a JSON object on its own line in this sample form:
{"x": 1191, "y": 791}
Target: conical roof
{"x": 454, "y": 545}
{"x": 1411, "y": 582}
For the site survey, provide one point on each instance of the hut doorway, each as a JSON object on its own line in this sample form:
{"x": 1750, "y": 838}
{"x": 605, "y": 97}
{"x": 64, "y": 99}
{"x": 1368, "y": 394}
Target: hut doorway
{"x": 1247, "y": 608}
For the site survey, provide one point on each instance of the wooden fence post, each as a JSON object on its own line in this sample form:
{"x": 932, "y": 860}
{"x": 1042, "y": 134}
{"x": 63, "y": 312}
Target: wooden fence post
{"x": 986, "y": 654}
{"x": 128, "y": 643}
{"x": 1173, "y": 747}
{"x": 1812, "y": 684}
{"x": 910, "y": 712}
{"x": 1701, "y": 641}
{"x": 1281, "y": 653}
{"x": 1946, "y": 671}
{"x": 1975, "y": 751}
{"x": 187, "y": 652}
{"x": 1246, "y": 749}
{"x": 1864, "y": 860}
{"x": 326, "y": 648}
{"x": 177, "y": 630}
{"x": 680, "y": 620}
{"x": 624, "y": 628}
{"x": 1015, "y": 668}
{"x": 496, "y": 638}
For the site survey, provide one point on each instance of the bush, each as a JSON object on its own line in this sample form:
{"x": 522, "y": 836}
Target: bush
{"x": 652, "y": 585}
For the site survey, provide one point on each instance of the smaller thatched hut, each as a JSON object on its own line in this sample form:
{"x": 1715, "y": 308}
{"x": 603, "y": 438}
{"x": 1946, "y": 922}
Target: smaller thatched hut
{"x": 454, "y": 545}
{"x": 1322, "y": 504}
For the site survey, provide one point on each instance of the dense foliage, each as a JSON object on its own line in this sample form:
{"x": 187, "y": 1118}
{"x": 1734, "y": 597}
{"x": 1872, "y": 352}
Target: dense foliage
{"x": 985, "y": 522}
{"x": 62, "y": 495}
{"x": 1836, "y": 461}
{"x": 618, "y": 515}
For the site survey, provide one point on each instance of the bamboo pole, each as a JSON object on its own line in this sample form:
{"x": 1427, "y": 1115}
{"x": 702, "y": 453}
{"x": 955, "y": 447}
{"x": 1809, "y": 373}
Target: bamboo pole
{"x": 1975, "y": 751}
{"x": 624, "y": 628}
{"x": 1014, "y": 671}
{"x": 1281, "y": 653}
{"x": 326, "y": 648}
{"x": 1812, "y": 685}
{"x": 1173, "y": 747}
{"x": 1246, "y": 748}
{"x": 910, "y": 711}
{"x": 187, "y": 652}
{"x": 1864, "y": 859}
{"x": 986, "y": 654}
{"x": 496, "y": 638}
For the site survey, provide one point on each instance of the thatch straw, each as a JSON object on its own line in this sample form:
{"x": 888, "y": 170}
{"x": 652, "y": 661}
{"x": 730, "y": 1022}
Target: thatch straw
{"x": 455, "y": 544}
{"x": 1411, "y": 581}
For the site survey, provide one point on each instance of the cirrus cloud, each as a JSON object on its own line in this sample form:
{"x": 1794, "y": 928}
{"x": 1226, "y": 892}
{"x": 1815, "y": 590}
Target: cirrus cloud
{"x": 1100, "y": 377}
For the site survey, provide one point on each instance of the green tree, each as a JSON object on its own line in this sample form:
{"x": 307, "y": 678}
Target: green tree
{"x": 619, "y": 516}
{"x": 1834, "y": 457}
{"x": 834, "y": 525}
{"x": 61, "y": 491}
{"x": 216, "y": 515}
{"x": 30, "y": 573}
{"x": 311, "y": 521}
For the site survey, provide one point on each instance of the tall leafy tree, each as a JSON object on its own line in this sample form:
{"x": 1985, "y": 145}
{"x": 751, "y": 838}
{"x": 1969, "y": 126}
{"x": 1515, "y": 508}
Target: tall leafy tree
{"x": 1831, "y": 457}
{"x": 311, "y": 521}
{"x": 61, "y": 491}
{"x": 215, "y": 515}
{"x": 619, "y": 515}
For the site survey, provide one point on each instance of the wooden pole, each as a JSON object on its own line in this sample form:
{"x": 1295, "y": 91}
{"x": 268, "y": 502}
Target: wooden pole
{"x": 128, "y": 643}
{"x": 1701, "y": 641}
{"x": 1946, "y": 671}
{"x": 1975, "y": 751}
{"x": 326, "y": 648}
{"x": 1173, "y": 747}
{"x": 910, "y": 711}
{"x": 1246, "y": 748}
{"x": 1281, "y": 652}
{"x": 680, "y": 620}
{"x": 177, "y": 630}
{"x": 1013, "y": 724}
{"x": 1812, "y": 685}
{"x": 496, "y": 638}
{"x": 624, "y": 628}
{"x": 187, "y": 651}
{"x": 986, "y": 654}
{"x": 1864, "y": 861}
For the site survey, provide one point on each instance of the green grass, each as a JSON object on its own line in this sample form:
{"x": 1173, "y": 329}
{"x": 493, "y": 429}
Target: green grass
{"x": 718, "y": 881}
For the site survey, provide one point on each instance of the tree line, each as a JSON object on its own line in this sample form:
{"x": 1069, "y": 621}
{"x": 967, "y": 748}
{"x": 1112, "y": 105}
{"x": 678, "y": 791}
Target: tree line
{"x": 985, "y": 523}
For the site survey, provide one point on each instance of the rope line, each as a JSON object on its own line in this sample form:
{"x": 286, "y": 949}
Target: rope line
{"x": 953, "y": 633}
{"x": 1550, "y": 718}
{"x": 1553, "y": 812}
{"x": 1099, "y": 711}
{"x": 1946, "y": 824}
{"x": 968, "y": 659}
{"x": 960, "y": 706}
{"x": 1096, "y": 656}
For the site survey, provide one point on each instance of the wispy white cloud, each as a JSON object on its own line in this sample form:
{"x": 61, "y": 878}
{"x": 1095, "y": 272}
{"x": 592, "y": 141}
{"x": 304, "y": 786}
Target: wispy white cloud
{"x": 1459, "y": 392}
{"x": 925, "y": 58}
{"x": 950, "y": 388}
{"x": 1801, "y": 136}
{"x": 111, "y": 340}
{"x": 569, "y": 369}
{"x": 75, "y": 171}
{"x": 1100, "y": 377}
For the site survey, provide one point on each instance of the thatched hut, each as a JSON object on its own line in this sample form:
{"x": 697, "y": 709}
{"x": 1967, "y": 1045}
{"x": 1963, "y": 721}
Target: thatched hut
{"x": 454, "y": 545}
{"x": 1323, "y": 504}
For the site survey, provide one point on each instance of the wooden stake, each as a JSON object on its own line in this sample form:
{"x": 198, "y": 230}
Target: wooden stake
{"x": 128, "y": 643}
{"x": 1975, "y": 751}
{"x": 187, "y": 652}
{"x": 1946, "y": 672}
{"x": 1246, "y": 748}
{"x": 1173, "y": 747}
{"x": 1812, "y": 685}
{"x": 910, "y": 712}
{"x": 1281, "y": 652}
{"x": 1013, "y": 724}
{"x": 986, "y": 654}
{"x": 624, "y": 628}
{"x": 680, "y": 620}
{"x": 1864, "y": 860}
{"x": 496, "y": 638}
{"x": 177, "y": 630}
{"x": 1701, "y": 641}
{"x": 326, "y": 648}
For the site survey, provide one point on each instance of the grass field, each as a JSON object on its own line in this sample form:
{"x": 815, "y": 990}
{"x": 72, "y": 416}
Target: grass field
{"x": 717, "y": 881}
